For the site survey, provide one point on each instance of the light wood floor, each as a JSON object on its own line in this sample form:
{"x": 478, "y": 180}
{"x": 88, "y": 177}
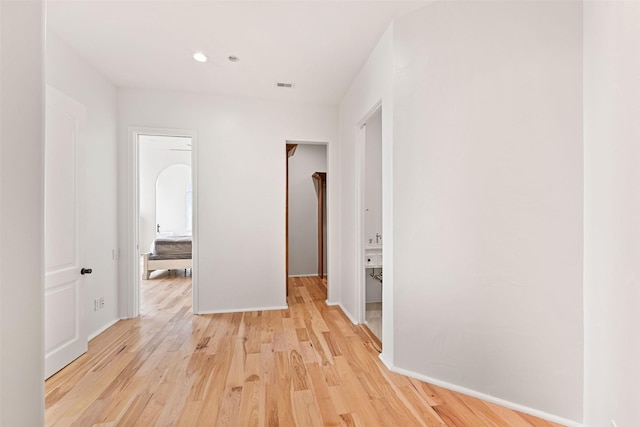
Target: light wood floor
{"x": 305, "y": 366}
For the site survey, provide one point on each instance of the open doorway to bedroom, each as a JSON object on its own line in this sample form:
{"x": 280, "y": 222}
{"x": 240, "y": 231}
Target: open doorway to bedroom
{"x": 165, "y": 218}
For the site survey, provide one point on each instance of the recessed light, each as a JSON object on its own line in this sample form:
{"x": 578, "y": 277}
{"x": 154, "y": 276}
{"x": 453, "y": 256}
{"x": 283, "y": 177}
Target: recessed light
{"x": 233, "y": 58}
{"x": 200, "y": 57}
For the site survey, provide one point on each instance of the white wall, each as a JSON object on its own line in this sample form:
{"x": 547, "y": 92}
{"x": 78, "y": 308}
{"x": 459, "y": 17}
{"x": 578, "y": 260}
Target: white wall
{"x": 154, "y": 157}
{"x": 488, "y": 200}
{"x": 74, "y": 77}
{"x": 171, "y": 199}
{"x": 612, "y": 213}
{"x": 21, "y": 213}
{"x": 240, "y": 178}
{"x": 373, "y": 84}
{"x": 303, "y": 208}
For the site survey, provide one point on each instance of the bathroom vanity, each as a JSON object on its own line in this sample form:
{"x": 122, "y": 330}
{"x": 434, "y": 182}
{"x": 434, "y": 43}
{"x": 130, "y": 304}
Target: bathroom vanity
{"x": 373, "y": 255}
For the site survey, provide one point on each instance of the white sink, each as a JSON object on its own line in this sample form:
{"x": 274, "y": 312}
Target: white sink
{"x": 373, "y": 255}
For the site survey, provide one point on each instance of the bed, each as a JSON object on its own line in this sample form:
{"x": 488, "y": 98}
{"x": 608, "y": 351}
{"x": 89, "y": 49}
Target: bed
{"x": 167, "y": 253}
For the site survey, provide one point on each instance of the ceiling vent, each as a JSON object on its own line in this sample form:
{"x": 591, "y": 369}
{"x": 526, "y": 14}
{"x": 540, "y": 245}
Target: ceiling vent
{"x": 286, "y": 85}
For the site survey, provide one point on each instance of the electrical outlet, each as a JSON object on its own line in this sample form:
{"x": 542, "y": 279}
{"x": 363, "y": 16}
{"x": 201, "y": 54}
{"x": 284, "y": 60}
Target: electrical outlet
{"x": 115, "y": 253}
{"x": 98, "y": 303}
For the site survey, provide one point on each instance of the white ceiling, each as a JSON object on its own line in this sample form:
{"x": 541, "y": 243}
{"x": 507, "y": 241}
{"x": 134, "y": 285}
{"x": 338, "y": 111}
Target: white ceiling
{"x": 318, "y": 45}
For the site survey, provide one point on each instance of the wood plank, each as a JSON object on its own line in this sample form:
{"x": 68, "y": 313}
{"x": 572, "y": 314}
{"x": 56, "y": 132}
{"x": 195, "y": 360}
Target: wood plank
{"x": 512, "y": 418}
{"x": 250, "y": 404}
{"x": 285, "y": 406}
{"x": 230, "y": 407}
{"x": 455, "y": 412}
{"x": 428, "y": 415}
{"x": 537, "y": 422}
{"x": 305, "y": 409}
{"x": 323, "y": 397}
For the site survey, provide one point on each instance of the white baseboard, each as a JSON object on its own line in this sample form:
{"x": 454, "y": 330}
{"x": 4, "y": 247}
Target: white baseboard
{"x": 243, "y": 310}
{"x": 303, "y": 275}
{"x": 104, "y": 328}
{"x": 384, "y": 360}
{"x": 483, "y": 396}
{"x": 344, "y": 310}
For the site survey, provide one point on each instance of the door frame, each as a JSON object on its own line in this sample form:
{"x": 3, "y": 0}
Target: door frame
{"x": 360, "y": 276}
{"x": 132, "y": 299}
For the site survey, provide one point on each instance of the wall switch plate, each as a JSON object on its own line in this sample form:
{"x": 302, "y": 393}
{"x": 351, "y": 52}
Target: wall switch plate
{"x": 115, "y": 253}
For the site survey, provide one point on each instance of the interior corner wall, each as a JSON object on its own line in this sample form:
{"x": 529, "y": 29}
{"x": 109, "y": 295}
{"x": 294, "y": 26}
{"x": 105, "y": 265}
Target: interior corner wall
{"x": 73, "y": 76}
{"x": 303, "y": 208}
{"x": 612, "y": 213}
{"x": 21, "y": 213}
{"x": 240, "y": 176}
{"x": 373, "y": 84}
{"x": 488, "y": 200}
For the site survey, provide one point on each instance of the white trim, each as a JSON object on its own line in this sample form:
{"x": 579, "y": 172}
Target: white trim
{"x": 306, "y": 275}
{"x": 132, "y": 285}
{"x": 386, "y": 362}
{"x": 245, "y": 310}
{"x": 102, "y": 329}
{"x": 195, "y": 227}
{"x": 333, "y": 219}
{"x": 344, "y": 310}
{"x": 41, "y": 213}
{"x": 360, "y": 277}
{"x": 483, "y": 396}
{"x": 362, "y": 123}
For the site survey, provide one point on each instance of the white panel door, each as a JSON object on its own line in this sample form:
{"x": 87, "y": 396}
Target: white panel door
{"x": 65, "y": 337}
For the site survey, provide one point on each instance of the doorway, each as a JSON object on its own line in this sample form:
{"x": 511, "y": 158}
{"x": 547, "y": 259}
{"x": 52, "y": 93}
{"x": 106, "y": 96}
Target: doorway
{"x": 306, "y": 235}
{"x": 165, "y": 205}
{"x": 164, "y": 211}
{"x": 369, "y": 238}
